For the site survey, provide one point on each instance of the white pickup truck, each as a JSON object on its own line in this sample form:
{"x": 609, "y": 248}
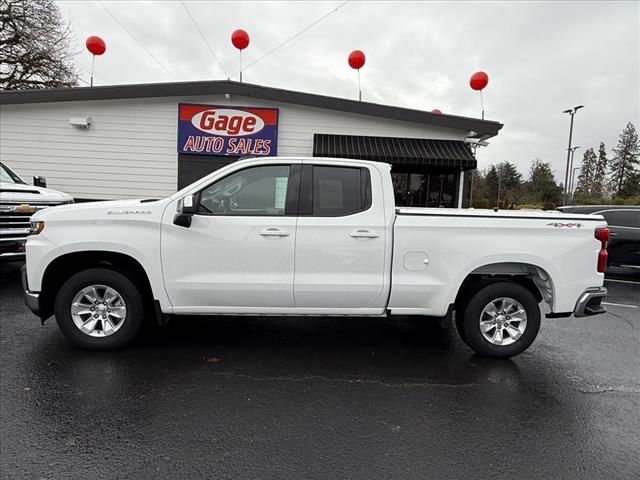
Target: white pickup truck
{"x": 309, "y": 236}
{"x": 18, "y": 202}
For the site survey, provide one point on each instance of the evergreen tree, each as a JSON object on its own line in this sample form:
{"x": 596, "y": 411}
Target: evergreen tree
{"x": 631, "y": 187}
{"x": 587, "y": 174}
{"x": 541, "y": 187}
{"x": 624, "y": 164}
{"x": 506, "y": 179}
{"x": 479, "y": 196}
{"x": 599, "y": 175}
{"x": 491, "y": 185}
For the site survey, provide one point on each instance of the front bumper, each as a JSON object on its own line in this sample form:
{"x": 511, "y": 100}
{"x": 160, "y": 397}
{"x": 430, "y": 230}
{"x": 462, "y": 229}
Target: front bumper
{"x": 590, "y": 302}
{"x": 12, "y": 249}
{"x": 31, "y": 299}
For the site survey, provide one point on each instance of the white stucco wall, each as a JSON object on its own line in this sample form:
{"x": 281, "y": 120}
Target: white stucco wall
{"x": 130, "y": 150}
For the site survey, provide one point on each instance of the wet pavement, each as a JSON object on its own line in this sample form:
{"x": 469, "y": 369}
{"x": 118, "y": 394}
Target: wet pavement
{"x": 274, "y": 398}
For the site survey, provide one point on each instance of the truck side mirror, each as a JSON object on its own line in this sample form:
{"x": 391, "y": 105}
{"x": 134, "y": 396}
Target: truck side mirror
{"x": 184, "y": 211}
{"x": 39, "y": 182}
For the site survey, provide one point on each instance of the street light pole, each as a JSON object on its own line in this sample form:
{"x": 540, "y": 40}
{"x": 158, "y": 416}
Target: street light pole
{"x": 572, "y": 112}
{"x": 570, "y": 192}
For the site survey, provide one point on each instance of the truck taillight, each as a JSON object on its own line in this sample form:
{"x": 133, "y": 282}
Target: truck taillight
{"x": 602, "y": 234}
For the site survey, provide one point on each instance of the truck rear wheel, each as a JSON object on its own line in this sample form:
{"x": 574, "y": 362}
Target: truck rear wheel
{"x": 99, "y": 309}
{"x": 501, "y": 320}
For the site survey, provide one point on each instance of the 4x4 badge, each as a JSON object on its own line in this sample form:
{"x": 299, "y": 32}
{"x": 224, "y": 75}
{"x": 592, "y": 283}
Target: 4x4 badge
{"x": 564, "y": 225}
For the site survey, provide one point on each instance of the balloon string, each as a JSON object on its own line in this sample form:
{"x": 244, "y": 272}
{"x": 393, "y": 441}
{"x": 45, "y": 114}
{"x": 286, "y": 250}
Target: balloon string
{"x": 359, "y": 89}
{"x": 240, "y": 66}
{"x": 482, "y": 104}
{"x": 93, "y": 61}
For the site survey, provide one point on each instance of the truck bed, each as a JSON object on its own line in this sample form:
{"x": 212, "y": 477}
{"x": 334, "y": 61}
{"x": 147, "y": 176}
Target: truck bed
{"x": 435, "y": 249}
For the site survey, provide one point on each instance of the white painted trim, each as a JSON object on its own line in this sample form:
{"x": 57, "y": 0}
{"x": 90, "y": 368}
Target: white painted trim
{"x": 460, "y": 188}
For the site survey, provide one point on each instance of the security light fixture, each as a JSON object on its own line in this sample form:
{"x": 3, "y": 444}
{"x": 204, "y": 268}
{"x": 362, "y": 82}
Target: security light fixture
{"x": 476, "y": 141}
{"x": 80, "y": 122}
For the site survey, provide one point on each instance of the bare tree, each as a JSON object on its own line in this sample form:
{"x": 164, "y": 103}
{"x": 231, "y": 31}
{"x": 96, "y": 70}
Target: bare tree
{"x": 35, "y": 46}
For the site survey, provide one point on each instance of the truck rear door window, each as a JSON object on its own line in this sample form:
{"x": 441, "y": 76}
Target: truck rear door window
{"x": 340, "y": 191}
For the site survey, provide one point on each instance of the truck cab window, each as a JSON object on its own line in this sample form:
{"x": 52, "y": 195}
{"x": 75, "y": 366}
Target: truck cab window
{"x": 253, "y": 191}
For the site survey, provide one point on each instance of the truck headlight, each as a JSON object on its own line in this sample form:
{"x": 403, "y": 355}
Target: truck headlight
{"x": 36, "y": 228}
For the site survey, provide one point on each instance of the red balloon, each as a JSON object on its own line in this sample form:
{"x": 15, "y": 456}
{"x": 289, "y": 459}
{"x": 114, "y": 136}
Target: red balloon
{"x": 240, "y": 39}
{"x": 436, "y": 111}
{"x": 357, "y": 59}
{"x": 96, "y": 45}
{"x": 479, "y": 80}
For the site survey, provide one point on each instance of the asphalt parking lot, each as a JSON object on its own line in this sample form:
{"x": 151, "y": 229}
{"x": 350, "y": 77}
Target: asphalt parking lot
{"x": 262, "y": 398}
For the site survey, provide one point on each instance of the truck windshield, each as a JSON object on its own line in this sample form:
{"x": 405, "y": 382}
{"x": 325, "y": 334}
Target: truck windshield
{"x": 7, "y": 176}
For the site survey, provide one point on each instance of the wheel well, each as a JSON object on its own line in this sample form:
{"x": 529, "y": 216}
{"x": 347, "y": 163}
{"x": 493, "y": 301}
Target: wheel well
{"x": 531, "y": 277}
{"x": 63, "y": 267}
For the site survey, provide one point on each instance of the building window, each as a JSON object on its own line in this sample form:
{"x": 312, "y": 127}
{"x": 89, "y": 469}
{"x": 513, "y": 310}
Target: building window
{"x": 413, "y": 189}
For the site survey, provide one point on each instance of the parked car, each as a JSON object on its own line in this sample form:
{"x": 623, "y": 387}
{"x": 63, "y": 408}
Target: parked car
{"x": 18, "y": 201}
{"x": 312, "y": 236}
{"x": 624, "y": 231}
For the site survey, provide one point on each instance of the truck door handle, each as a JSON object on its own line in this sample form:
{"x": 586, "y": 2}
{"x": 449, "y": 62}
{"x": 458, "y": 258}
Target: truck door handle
{"x": 274, "y": 232}
{"x": 363, "y": 234}
{"x": 613, "y": 234}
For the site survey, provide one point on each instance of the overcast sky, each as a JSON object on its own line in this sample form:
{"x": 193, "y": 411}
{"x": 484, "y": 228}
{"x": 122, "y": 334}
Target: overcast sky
{"x": 541, "y": 57}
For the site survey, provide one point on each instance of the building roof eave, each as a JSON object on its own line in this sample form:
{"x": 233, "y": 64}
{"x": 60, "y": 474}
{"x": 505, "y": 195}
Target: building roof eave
{"x": 482, "y": 128}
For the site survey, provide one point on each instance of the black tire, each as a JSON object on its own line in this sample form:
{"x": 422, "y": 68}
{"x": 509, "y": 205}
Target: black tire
{"x": 132, "y": 320}
{"x": 459, "y": 319}
{"x": 470, "y": 324}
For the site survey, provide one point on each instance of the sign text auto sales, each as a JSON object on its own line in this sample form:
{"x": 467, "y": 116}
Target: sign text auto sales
{"x": 227, "y": 130}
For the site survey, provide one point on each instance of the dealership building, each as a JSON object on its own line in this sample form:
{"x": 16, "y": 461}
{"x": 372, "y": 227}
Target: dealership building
{"x": 133, "y": 141}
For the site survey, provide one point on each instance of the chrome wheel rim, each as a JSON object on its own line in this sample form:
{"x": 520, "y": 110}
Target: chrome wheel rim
{"x": 503, "y": 321}
{"x": 98, "y": 311}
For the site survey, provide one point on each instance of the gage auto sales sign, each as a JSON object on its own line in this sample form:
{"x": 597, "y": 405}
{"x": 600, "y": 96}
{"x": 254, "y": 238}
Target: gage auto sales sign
{"x": 227, "y": 130}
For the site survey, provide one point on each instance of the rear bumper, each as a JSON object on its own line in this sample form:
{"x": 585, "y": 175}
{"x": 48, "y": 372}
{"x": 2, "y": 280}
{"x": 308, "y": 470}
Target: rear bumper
{"x": 590, "y": 302}
{"x": 31, "y": 299}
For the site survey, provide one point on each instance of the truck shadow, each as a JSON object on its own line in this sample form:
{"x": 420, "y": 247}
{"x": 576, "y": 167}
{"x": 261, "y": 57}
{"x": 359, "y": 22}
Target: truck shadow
{"x": 403, "y": 347}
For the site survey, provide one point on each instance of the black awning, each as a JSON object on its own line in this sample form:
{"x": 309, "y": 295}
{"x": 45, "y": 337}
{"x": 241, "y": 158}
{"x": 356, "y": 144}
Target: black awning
{"x": 398, "y": 151}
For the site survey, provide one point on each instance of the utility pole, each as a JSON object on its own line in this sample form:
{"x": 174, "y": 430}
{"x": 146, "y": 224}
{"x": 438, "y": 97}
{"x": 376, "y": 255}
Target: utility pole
{"x": 572, "y": 112}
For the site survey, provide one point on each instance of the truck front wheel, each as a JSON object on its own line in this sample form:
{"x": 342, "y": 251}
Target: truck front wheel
{"x": 501, "y": 320}
{"x": 99, "y": 309}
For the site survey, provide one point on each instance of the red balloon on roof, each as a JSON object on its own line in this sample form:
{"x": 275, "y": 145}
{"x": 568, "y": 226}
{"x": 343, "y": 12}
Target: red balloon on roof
{"x": 479, "y": 80}
{"x": 240, "y": 39}
{"x": 357, "y": 59}
{"x": 436, "y": 111}
{"x": 96, "y": 45}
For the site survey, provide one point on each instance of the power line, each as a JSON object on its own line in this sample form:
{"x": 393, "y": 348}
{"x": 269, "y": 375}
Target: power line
{"x": 137, "y": 41}
{"x": 296, "y": 35}
{"x": 88, "y": 70}
{"x": 203, "y": 38}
